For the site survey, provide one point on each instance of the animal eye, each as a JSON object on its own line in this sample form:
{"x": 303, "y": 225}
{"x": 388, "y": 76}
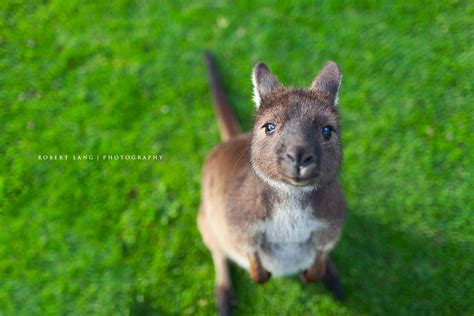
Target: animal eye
{"x": 269, "y": 128}
{"x": 327, "y": 131}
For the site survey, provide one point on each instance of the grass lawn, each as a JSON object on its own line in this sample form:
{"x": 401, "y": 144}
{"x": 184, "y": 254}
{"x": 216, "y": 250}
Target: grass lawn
{"x": 122, "y": 77}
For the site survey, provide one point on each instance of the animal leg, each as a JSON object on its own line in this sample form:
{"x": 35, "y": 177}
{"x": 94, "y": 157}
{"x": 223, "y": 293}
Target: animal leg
{"x": 332, "y": 281}
{"x": 256, "y": 270}
{"x": 317, "y": 270}
{"x": 224, "y": 295}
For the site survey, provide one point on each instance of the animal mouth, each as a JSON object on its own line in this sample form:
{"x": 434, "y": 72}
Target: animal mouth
{"x": 300, "y": 182}
{"x": 299, "y": 174}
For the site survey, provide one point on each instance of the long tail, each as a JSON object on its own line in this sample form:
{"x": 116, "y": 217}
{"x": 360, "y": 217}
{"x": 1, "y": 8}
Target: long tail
{"x": 228, "y": 125}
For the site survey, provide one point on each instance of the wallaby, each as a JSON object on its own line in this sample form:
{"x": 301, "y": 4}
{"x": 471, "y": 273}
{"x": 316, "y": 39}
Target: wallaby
{"x": 270, "y": 199}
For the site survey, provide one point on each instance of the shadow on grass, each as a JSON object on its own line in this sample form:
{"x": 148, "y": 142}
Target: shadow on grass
{"x": 142, "y": 305}
{"x": 384, "y": 271}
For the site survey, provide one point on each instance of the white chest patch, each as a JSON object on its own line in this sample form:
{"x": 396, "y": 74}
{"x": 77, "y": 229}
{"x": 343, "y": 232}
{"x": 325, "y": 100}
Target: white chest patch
{"x": 287, "y": 248}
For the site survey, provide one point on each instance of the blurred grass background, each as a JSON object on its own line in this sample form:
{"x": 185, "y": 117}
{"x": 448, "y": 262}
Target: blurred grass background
{"x": 125, "y": 77}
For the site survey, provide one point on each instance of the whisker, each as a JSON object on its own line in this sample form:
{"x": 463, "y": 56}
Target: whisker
{"x": 239, "y": 156}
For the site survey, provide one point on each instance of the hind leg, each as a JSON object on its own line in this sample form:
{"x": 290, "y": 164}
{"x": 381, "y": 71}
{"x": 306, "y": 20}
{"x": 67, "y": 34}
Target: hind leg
{"x": 224, "y": 297}
{"x": 325, "y": 270}
{"x": 332, "y": 281}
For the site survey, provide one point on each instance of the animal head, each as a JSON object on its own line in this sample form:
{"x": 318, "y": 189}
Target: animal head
{"x": 295, "y": 138}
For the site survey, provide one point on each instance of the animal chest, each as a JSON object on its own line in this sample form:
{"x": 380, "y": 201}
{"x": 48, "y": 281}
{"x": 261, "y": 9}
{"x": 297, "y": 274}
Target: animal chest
{"x": 287, "y": 244}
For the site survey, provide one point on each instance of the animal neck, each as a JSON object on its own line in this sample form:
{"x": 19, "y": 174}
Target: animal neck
{"x": 277, "y": 193}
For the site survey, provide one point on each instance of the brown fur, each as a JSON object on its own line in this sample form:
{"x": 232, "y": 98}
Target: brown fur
{"x": 239, "y": 195}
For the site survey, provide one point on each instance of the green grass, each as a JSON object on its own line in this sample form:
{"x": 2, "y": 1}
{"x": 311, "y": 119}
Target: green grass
{"x": 119, "y": 237}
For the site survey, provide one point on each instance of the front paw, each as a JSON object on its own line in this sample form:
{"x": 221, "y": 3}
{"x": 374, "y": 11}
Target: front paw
{"x": 259, "y": 275}
{"x": 314, "y": 274}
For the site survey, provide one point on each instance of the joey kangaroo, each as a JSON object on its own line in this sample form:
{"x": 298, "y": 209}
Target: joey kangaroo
{"x": 270, "y": 199}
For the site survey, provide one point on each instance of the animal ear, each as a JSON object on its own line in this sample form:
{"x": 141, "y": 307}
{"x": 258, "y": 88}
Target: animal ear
{"x": 328, "y": 81}
{"x": 264, "y": 83}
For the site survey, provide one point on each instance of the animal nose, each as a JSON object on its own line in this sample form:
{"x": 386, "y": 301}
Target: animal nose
{"x": 299, "y": 157}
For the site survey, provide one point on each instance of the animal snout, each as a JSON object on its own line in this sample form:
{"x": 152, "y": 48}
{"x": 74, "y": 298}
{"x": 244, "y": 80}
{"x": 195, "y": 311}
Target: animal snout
{"x": 299, "y": 162}
{"x": 298, "y": 156}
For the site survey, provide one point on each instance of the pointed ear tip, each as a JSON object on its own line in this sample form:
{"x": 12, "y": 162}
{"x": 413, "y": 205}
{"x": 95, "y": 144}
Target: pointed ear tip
{"x": 260, "y": 65}
{"x": 332, "y": 65}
